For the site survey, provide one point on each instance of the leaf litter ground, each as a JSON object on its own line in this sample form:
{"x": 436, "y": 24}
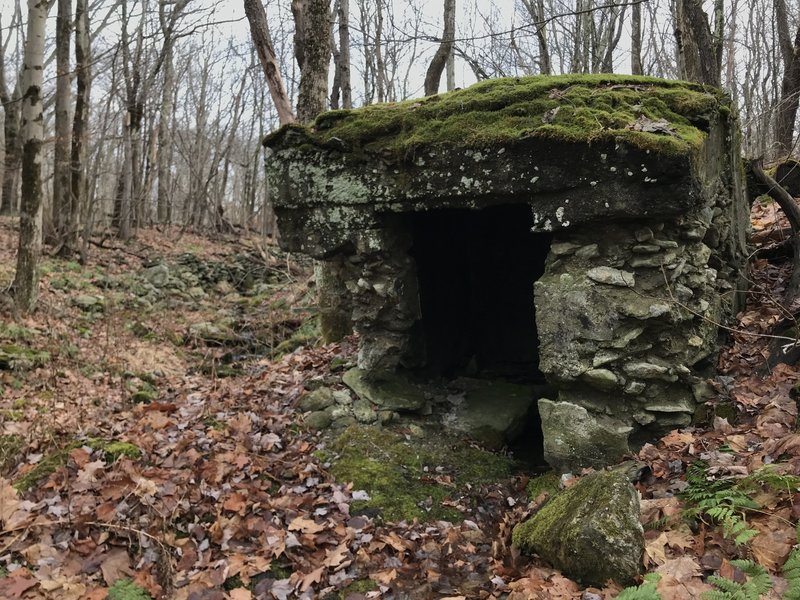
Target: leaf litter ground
{"x": 220, "y": 493}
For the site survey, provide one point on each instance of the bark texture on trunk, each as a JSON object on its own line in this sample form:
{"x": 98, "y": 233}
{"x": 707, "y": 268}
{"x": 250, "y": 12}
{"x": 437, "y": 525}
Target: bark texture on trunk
{"x": 26, "y": 281}
{"x": 444, "y": 51}
{"x": 786, "y": 110}
{"x": 259, "y": 31}
{"x": 312, "y": 45}
{"x": 64, "y": 206}
{"x": 636, "y": 40}
{"x": 700, "y": 55}
{"x": 80, "y": 120}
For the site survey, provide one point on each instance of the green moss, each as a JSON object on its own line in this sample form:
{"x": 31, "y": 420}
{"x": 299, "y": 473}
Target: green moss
{"x": 601, "y": 510}
{"x": 14, "y": 332}
{"x": 144, "y": 394}
{"x": 11, "y": 445}
{"x": 547, "y": 483}
{"x": 58, "y": 457}
{"x": 45, "y": 467}
{"x": 20, "y": 358}
{"x": 113, "y": 450}
{"x": 400, "y": 474}
{"x": 360, "y": 586}
{"x": 307, "y": 334}
{"x": 125, "y": 589}
{"x": 503, "y": 111}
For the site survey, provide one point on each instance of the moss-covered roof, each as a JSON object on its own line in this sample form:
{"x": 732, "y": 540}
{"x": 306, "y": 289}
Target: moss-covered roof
{"x": 580, "y": 108}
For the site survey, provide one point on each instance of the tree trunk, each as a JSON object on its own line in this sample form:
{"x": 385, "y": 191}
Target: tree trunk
{"x": 535, "y": 10}
{"x": 636, "y": 40}
{"x": 80, "y": 120}
{"x": 13, "y": 152}
{"x": 439, "y": 61}
{"x": 312, "y": 47}
{"x": 26, "y": 278}
{"x": 701, "y": 56}
{"x": 165, "y": 140}
{"x": 63, "y": 202}
{"x": 786, "y": 110}
{"x": 343, "y": 64}
{"x": 259, "y": 31}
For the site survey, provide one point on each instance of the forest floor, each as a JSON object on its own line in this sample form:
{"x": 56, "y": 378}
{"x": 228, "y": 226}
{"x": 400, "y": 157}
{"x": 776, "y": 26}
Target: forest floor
{"x": 150, "y": 444}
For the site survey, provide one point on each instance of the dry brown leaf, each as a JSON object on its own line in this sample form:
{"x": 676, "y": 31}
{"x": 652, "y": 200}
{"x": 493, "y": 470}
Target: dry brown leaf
{"x": 241, "y": 594}
{"x": 13, "y": 586}
{"x": 384, "y": 577}
{"x": 9, "y": 500}
{"x": 311, "y": 578}
{"x": 771, "y": 547}
{"x": 116, "y": 566}
{"x": 304, "y": 525}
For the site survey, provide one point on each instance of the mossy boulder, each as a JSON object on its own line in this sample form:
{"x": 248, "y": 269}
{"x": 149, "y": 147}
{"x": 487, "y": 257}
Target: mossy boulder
{"x": 590, "y": 531}
{"x": 389, "y": 391}
{"x": 409, "y": 479}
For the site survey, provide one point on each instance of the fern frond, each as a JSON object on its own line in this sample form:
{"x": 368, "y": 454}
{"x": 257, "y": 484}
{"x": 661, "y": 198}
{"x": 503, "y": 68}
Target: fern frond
{"x": 646, "y": 591}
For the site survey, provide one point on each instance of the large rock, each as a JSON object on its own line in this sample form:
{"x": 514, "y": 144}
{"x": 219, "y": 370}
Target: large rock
{"x": 387, "y": 390}
{"x": 494, "y": 412}
{"x": 591, "y": 531}
{"x": 575, "y": 438}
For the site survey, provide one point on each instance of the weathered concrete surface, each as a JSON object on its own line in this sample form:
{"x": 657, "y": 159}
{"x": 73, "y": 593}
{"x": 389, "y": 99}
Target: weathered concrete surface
{"x": 637, "y": 180}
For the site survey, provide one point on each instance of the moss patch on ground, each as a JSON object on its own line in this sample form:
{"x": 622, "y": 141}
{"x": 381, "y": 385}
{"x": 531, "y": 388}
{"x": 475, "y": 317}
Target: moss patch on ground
{"x": 409, "y": 478}
{"x": 11, "y": 445}
{"x": 575, "y": 108}
{"x": 57, "y": 458}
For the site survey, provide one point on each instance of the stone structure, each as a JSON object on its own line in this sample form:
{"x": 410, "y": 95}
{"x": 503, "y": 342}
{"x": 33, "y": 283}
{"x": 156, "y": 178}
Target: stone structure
{"x": 584, "y": 229}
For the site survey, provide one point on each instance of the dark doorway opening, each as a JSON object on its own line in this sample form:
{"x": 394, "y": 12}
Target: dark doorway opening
{"x": 476, "y": 270}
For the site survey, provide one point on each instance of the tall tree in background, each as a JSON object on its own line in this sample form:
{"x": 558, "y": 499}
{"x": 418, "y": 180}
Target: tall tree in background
{"x": 636, "y": 39}
{"x": 64, "y": 205}
{"x": 10, "y": 94}
{"x": 80, "y": 120}
{"x": 786, "y": 111}
{"x": 341, "y": 58}
{"x": 30, "y": 228}
{"x": 699, "y": 51}
{"x": 312, "y": 47}
{"x": 444, "y": 51}
{"x": 259, "y": 31}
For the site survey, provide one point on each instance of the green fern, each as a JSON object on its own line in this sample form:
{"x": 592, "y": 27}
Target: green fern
{"x": 720, "y": 500}
{"x": 646, "y": 591}
{"x": 125, "y": 589}
{"x": 791, "y": 572}
{"x": 758, "y": 583}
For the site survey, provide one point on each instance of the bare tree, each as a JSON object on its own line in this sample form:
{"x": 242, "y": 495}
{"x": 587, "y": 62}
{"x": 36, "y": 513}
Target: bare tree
{"x": 444, "y": 51}
{"x": 259, "y": 30}
{"x": 786, "y": 112}
{"x": 10, "y": 96}
{"x": 26, "y": 278}
{"x": 64, "y": 205}
{"x": 699, "y": 51}
{"x": 312, "y": 49}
